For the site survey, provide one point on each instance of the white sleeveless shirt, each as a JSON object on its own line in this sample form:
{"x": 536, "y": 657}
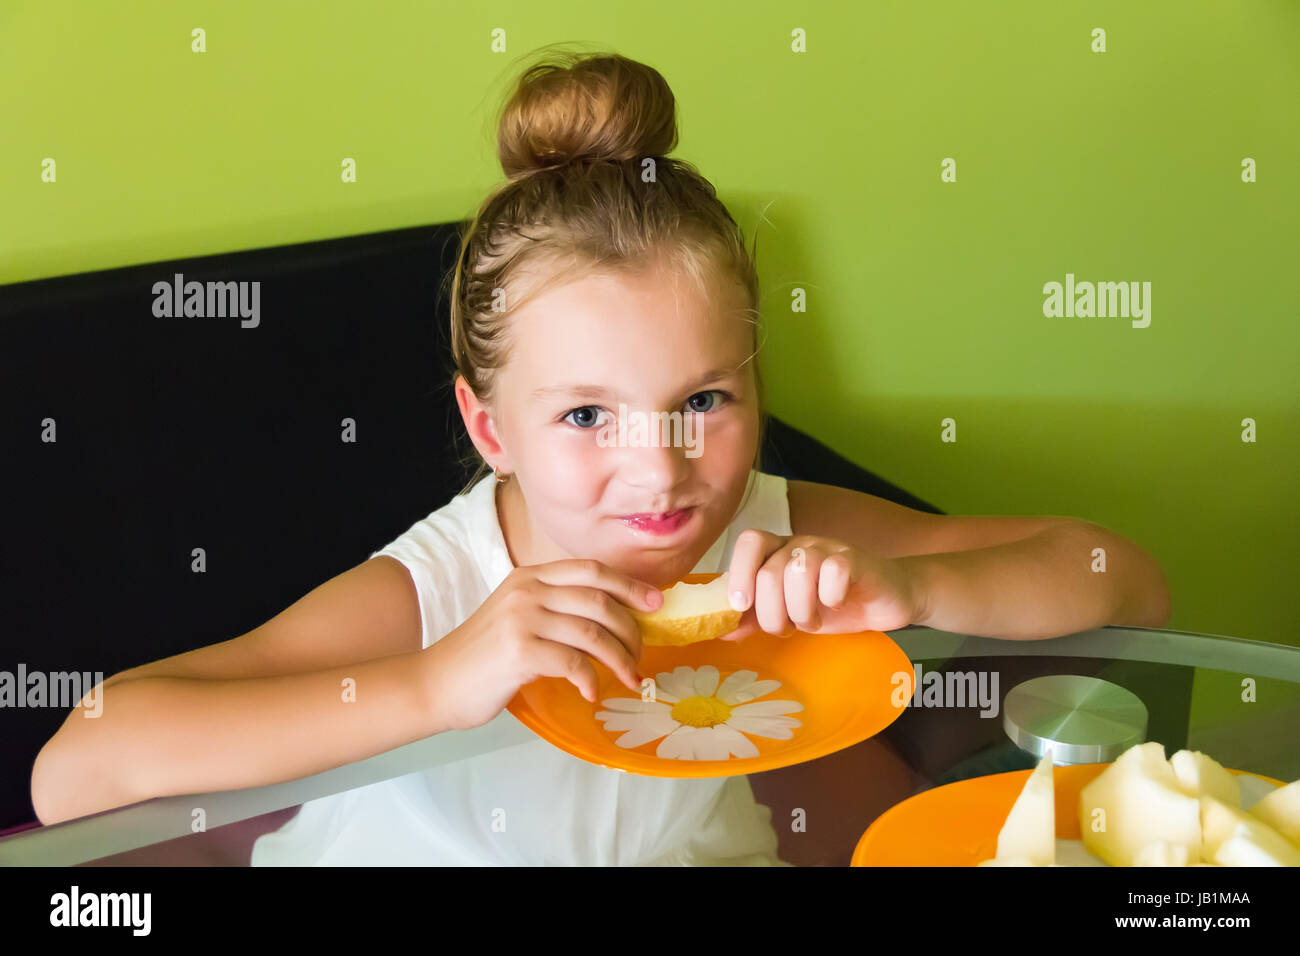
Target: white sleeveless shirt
{"x": 561, "y": 810}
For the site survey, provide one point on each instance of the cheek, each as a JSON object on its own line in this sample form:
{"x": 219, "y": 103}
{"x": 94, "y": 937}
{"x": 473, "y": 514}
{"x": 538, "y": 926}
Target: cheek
{"x": 567, "y": 473}
{"x": 565, "y": 497}
{"x": 727, "y": 444}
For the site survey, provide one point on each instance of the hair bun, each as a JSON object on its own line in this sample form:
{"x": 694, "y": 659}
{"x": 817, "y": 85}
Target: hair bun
{"x": 573, "y": 106}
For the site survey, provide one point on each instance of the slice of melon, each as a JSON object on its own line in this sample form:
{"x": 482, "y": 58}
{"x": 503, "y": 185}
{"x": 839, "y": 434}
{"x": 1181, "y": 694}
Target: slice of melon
{"x": 1163, "y": 853}
{"x": 1200, "y": 775}
{"x": 690, "y": 613}
{"x": 1254, "y": 844}
{"x": 1135, "y": 802}
{"x": 1234, "y": 838}
{"x": 1281, "y": 811}
{"x": 1030, "y": 829}
{"x": 1218, "y": 822}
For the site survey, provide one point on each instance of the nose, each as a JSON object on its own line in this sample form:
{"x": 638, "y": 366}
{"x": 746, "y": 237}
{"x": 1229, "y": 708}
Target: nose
{"x": 657, "y": 467}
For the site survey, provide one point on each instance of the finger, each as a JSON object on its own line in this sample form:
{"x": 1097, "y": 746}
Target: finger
{"x": 588, "y": 572}
{"x": 560, "y": 660}
{"x": 592, "y": 638}
{"x": 833, "y": 582}
{"x": 747, "y": 626}
{"x": 599, "y": 606}
{"x": 769, "y": 595}
{"x": 802, "y": 572}
{"x": 753, "y": 546}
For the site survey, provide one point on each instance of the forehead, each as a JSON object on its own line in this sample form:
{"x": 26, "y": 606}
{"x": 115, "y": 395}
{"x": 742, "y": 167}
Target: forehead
{"x": 630, "y": 329}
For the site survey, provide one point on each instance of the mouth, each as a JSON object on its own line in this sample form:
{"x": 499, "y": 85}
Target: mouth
{"x": 659, "y": 524}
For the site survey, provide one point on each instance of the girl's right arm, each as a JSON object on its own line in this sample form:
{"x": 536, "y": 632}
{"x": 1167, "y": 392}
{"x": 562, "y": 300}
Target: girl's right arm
{"x": 259, "y": 709}
{"x": 159, "y": 736}
{"x": 310, "y": 691}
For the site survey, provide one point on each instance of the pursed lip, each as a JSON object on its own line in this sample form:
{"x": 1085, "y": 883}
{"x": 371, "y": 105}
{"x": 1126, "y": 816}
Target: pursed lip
{"x": 658, "y": 515}
{"x": 660, "y": 526}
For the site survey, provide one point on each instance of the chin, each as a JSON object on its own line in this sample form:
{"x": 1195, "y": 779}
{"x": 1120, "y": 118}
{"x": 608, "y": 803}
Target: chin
{"x": 672, "y": 570}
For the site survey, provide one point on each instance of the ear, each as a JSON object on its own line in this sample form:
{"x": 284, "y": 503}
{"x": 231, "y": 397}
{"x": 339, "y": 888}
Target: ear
{"x": 478, "y": 423}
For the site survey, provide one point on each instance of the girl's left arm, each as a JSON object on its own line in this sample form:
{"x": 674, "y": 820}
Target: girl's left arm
{"x": 1017, "y": 578}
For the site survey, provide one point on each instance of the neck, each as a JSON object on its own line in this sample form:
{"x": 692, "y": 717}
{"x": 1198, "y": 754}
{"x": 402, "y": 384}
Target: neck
{"x": 501, "y": 503}
{"x": 516, "y": 529}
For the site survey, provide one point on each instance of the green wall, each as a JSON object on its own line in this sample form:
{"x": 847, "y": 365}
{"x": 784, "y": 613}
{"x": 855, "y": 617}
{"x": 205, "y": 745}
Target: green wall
{"x": 924, "y": 298}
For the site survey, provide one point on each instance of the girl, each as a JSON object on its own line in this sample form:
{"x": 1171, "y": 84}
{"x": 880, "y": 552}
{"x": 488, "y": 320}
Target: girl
{"x": 601, "y": 282}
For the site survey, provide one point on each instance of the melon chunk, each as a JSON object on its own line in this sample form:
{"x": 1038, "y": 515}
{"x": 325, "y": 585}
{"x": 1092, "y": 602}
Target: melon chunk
{"x": 1254, "y": 844}
{"x": 690, "y": 613}
{"x": 1141, "y": 803}
{"x": 1028, "y": 837}
{"x": 1163, "y": 853}
{"x": 1233, "y": 838}
{"x": 1281, "y": 811}
{"x": 1218, "y": 822}
{"x": 1200, "y": 775}
{"x": 1030, "y": 830}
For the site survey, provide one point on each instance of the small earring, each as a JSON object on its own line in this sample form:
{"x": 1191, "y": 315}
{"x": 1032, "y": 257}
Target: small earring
{"x": 500, "y": 477}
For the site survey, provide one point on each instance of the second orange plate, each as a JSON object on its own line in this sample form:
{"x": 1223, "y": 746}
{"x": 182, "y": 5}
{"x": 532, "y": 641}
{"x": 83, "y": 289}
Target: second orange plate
{"x": 958, "y": 824}
{"x": 723, "y": 708}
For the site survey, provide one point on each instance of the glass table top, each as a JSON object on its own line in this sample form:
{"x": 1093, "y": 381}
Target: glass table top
{"x": 1236, "y": 700}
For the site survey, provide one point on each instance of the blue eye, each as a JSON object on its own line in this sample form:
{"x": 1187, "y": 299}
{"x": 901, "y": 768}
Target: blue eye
{"x": 589, "y": 417}
{"x": 712, "y": 391}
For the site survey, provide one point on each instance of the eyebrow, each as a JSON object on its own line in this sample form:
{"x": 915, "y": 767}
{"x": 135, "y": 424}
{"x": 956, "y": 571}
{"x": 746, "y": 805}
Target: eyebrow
{"x": 600, "y": 392}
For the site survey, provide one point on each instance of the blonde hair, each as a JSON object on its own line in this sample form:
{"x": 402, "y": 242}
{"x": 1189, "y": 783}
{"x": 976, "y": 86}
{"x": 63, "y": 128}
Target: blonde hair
{"x": 573, "y": 138}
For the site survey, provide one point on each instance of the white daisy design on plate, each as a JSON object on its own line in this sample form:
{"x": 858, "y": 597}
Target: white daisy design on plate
{"x": 700, "y": 720}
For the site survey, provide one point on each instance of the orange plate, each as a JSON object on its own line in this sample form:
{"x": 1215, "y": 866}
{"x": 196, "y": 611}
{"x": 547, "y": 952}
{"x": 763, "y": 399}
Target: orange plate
{"x": 958, "y": 824}
{"x": 844, "y": 685}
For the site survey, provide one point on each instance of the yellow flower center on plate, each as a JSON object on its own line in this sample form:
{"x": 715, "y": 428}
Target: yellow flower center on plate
{"x": 700, "y": 711}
